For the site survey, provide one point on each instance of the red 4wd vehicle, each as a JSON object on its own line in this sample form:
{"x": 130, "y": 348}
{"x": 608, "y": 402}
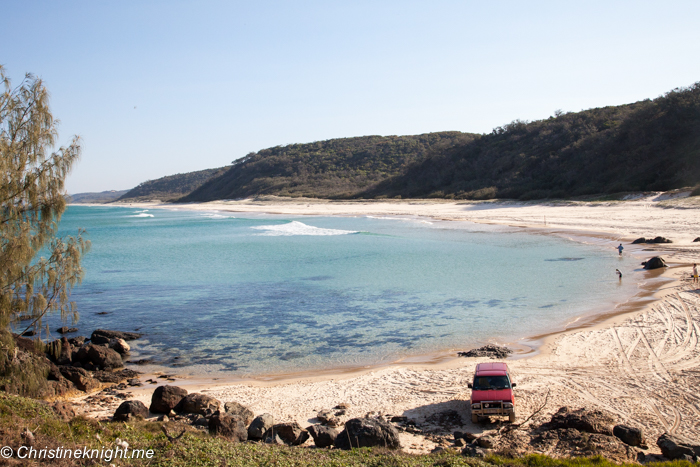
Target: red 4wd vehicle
{"x": 492, "y": 392}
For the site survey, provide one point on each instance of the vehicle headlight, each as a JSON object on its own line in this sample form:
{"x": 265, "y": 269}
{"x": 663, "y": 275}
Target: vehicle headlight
{"x": 507, "y": 405}
{"x": 476, "y": 406}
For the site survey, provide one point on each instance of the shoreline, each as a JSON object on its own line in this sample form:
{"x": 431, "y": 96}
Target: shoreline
{"x": 582, "y": 361}
{"x": 527, "y": 347}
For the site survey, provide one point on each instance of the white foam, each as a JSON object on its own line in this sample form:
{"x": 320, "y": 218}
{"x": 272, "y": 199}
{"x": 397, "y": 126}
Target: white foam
{"x": 298, "y": 228}
{"x": 143, "y": 214}
{"x": 211, "y": 215}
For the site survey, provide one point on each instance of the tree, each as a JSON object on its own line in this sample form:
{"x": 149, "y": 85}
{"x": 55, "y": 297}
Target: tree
{"x": 37, "y": 268}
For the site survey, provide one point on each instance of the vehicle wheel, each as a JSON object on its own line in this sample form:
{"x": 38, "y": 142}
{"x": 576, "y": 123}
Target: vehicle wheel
{"x": 475, "y": 418}
{"x": 511, "y": 417}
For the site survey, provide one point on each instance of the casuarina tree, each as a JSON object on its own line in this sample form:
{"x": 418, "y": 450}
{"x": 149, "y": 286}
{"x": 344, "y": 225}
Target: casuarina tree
{"x": 38, "y": 269}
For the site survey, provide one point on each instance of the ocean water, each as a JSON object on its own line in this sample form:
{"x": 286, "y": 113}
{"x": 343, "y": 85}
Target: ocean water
{"x": 255, "y": 294}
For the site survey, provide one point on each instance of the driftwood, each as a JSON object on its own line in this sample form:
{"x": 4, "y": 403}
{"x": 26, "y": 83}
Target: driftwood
{"x": 171, "y": 438}
{"x": 515, "y": 426}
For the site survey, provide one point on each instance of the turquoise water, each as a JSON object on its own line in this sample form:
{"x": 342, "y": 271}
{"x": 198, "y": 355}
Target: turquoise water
{"x": 261, "y": 294}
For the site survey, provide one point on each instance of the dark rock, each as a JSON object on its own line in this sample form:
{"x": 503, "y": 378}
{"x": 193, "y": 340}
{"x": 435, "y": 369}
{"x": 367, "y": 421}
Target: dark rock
{"x": 98, "y": 356}
{"x": 629, "y": 435}
{"x": 570, "y": 442}
{"x": 465, "y": 435}
{"x": 342, "y": 406}
{"x": 324, "y": 436}
{"x": 260, "y": 425}
{"x": 77, "y": 341}
{"x": 654, "y": 263}
{"x": 697, "y": 239}
{"x": 328, "y": 418}
{"x": 471, "y": 450}
{"x": 166, "y": 398}
{"x": 273, "y": 438}
{"x": 120, "y": 346}
{"x": 135, "y": 382}
{"x": 198, "y": 403}
{"x": 639, "y": 240}
{"x": 29, "y": 333}
{"x": 674, "y": 447}
{"x": 234, "y": 408}
{"x": 64, "y": 410}
{"x": 290, "y": 433}
{"x": 129, "y": 410}
{"x": 590, "y": 421}
{"x": 60, "y": 351}
{"x": 460, "y": 442}
{"x": 485, "y": 442}
{"x": 80, "y": 378}
{"x": 367, "y": 432}
{"x": 490, "y": 350}
{"x": 399, "y": 419}
{"x": 661, "y": 240}
{"x": 103, "y": 336}
{"x": 201, "y": 421}
{"x": 229, "y": 426}
{"x": 66, "y": 330}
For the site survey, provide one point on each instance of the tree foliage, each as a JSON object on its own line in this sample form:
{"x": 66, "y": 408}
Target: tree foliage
{"x": 651, "y": 145}
{"x": 336, "y": 168}
{"x": 37, "y": 268}
{"x": 171, "y": 187}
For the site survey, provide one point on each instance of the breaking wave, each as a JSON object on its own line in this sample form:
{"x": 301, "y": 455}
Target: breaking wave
{"x": 298, "y": 228}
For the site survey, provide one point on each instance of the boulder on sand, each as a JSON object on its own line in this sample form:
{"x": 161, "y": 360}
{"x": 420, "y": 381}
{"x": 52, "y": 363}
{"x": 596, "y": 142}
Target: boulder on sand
{"x": 367, "y": 432}
{"x": 166, "y": 398}
{"x": 584, "y": 420}
{"x": 674, "y": 447}
{"x": 229, "y": 426}
{"x": 324, "y": 436}
{"x": 234, "y": 408}
{"x": 198, "y": 403}
{"x": 629, "y": 435}
{"x": 129, "y": 410}
{"x": 639, "y": 240}
{"x": 290, "y": 433}
{"x": 259, "y": 426}
{"x": 654, "y": 263}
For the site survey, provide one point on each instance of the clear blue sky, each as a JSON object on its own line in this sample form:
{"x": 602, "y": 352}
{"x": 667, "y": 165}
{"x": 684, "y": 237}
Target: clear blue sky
{"x": 162, "y": 87}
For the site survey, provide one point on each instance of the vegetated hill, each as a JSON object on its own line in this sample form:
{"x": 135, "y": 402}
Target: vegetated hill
{"x": 648, "y": 145}
{"x": 336, "y": 168}
{"x": 94, "y": 197}
{"x": 171, "y": 187}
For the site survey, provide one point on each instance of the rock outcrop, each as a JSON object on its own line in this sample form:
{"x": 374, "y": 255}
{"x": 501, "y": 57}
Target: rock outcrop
{"x": 103, "y": 336}
{"x": 290, "y": 433}
{"x": 80, "y": 378}
{"x": 586, "y": 420}
{"x": 490, "y": 351}
{"x": 629, "y": 435}
{"x": 166, "y": 398}
{"x": 674, "y": 447}
{"x": 367, "y": 432}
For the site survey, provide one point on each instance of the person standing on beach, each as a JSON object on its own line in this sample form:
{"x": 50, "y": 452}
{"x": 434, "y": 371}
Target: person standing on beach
{"x": 695, "y": 274}
{"x": 619, "y": 274}
{"x": 620, "y": 248}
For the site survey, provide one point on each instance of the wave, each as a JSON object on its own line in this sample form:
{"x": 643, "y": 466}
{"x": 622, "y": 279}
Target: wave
{"x": 142, "y": 214}
{"x": 299, "y": 228}
{"x": 211, "y": 215}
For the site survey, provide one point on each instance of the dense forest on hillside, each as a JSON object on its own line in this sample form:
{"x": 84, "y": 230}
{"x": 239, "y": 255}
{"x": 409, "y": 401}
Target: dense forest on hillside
{"x": 172, "y": 187}
{"x": 336, "y": 168}
{"x": 646, "y": 146}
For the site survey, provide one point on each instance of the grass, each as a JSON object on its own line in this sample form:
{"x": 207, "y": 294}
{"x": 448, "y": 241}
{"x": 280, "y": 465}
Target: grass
{"x": 198, "y": 448}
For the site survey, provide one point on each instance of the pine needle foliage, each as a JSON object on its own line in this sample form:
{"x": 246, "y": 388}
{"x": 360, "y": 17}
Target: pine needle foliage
{"x": 37, "y": 268}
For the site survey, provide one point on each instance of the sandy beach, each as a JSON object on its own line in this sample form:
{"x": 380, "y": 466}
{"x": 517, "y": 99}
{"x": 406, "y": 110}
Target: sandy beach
{"x": 639, "y": 361}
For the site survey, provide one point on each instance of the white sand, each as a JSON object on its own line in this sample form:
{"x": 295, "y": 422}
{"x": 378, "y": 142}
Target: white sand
{"x": 644, "y": 367}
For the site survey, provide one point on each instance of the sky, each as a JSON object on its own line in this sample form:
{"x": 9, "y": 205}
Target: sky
{"x": 156, "y": 88}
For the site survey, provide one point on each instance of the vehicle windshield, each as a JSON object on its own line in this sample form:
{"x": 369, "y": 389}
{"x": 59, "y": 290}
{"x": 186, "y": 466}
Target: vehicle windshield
{"x": 482, "y": 383}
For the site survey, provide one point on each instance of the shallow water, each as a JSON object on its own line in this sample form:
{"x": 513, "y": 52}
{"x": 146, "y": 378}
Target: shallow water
{"x": 263, "y": 294}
